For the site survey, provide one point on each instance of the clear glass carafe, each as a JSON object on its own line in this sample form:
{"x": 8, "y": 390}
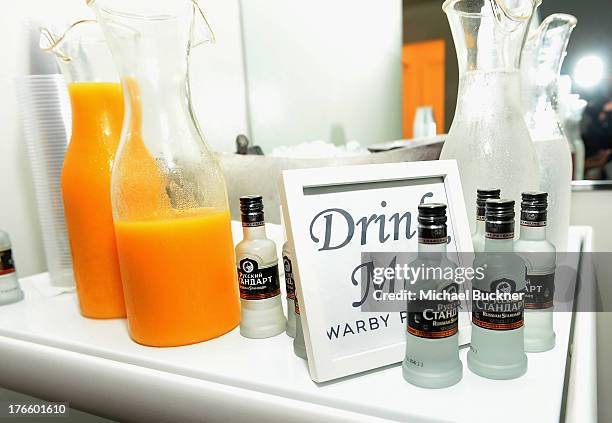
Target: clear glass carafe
{"x": 543, "y": 55}
{"x": 97, "y": 117}
{"x": 488, "y": 136}
{"x": 169, "y": 199}
{"x": 571, "y": 116}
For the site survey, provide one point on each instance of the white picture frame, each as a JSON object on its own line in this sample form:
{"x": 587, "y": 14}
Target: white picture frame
{"x": 305, "y": 194}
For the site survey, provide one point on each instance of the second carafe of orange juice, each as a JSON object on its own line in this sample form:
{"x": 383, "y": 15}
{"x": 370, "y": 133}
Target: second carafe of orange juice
{"x": 97, "y": 117}
{"x": 169, "y": 199}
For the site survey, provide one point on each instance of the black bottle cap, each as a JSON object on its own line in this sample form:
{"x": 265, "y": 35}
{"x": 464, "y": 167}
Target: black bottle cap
{"x": 499, "y": 219}
{"x": 485, "y": 193}
{"x": 251, "y": 210}
{"x": 432, "y": 223}
{"x": 482, "y": 195}
{"x": 533, "y": 208}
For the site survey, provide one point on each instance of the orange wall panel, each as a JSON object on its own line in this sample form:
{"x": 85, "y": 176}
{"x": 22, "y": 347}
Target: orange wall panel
{"x": 423, "y": 81}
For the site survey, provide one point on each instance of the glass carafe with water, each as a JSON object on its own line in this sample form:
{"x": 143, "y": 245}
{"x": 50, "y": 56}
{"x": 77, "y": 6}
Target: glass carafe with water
{"x": 571, "y": 116}
{"x": 542, "y": 58}
{"x": 488, "y": 136}
{"x": 169, "y": 199}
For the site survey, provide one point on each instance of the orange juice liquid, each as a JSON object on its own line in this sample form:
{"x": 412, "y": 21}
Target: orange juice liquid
{"x": 97, "y": 117}
{"x": 179, "y": 277}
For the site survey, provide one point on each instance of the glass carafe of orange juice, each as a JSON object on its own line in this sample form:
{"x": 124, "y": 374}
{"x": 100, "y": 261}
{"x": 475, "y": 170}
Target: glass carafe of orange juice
{"x": 97, "y": 117}
{"x": 170, "y": 204}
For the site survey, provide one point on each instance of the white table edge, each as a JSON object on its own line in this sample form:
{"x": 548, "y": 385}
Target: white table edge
{"x": 179, "y": 398}
{"x": 126, "y": 387}
{"x": 581, "y": 401}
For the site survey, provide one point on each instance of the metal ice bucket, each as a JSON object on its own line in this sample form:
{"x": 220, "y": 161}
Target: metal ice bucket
{"x": 250, "y": 174}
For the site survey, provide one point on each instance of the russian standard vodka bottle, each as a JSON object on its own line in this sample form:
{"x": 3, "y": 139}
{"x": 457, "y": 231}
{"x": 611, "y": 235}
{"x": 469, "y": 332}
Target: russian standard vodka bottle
{"x": 432, "y": 345}
{"x": 482, "y": 195}
{"x": 497, "y": 346}
{"x": 290, "y": 285}
{"x": 10, "y": 292}
{"x": 299, "y": 347}
{"x": 540, "y": 258}
{"x": 261, "y": 312}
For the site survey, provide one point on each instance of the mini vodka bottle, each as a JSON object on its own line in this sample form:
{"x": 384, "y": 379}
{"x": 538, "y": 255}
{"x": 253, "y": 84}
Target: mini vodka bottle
{"x": 540, "y": 257}
{"x": 497, "y": 346}
{"x": 432, "y": 349}
{"x": 290, "y": 285}
{"x": 299, "y": 347}
{"x": 482, "y": 195}
{"x": 261, "y": 313}
{"x": 10, "y": 292}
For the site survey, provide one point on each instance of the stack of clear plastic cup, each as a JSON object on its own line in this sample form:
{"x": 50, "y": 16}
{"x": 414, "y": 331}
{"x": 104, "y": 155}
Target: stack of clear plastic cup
{"x": 45, "y": 113}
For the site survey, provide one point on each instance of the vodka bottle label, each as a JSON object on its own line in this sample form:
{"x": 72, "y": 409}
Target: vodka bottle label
{"x": 527, "y": 219}
{"x": 7, "y": 265}
{"x": 432, "y": 318}
{"x": 540, "y": 291}
{"x": 289, "y": 281}
{"x": 540, "y": 288}
{"x": 252, "y": 220}
{"x": 432, "y": 234}
{"x": 504, "y": 230}
{"x": 297, "y": 306}
{"x": 498, "y": 309}
{"x": 433, "y": 314}
{"x": 257, "y": 283}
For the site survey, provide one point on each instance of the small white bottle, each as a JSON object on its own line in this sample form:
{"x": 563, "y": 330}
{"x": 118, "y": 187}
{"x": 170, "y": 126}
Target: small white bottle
{"x": 432, "y": 339}
{"x": 482, "y": 195}
{"x": 497, "y": 346}
{"x": 540, "y": 258}
{"x": 299, "y": 346}
{"x": 261, "y": 313}
{"x": 10, "y": 292}
{"x": 290, "y": 285}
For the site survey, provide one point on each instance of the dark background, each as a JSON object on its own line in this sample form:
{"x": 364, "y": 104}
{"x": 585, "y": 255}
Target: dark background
{"x": 424, "y": 20}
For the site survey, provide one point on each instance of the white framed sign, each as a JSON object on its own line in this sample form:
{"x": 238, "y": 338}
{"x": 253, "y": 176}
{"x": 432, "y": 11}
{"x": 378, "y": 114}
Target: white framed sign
{"x": 333, "y": 215}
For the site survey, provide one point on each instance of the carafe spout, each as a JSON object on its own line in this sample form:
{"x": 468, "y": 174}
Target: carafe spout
{"x": 55, "y": 43}
{"x": 545, "y": 47}
{"x": 201, "y": 31}
{"x": 489, "y": 34}
{"x": 512, "y": 15}
{"x": 81, "y": 52}
{"x": 543, "y": 55}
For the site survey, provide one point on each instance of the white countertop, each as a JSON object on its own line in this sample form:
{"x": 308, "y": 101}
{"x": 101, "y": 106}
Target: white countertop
{"x": 48, "y": 350}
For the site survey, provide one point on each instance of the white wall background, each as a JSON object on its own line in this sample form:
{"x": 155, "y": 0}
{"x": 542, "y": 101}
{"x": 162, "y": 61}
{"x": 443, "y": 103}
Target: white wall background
{"x": 326, "y": 70}
{"x": 217, "y": 77}
{"x": 314, "y": 70}
{"x": 18, "y": 213}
